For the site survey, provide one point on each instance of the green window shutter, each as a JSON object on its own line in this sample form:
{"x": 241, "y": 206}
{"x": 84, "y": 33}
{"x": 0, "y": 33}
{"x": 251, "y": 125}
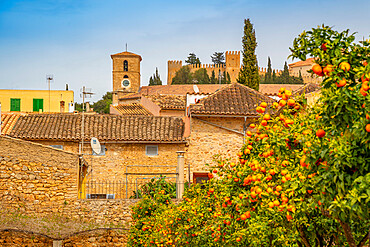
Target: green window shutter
{"x": 15, "y": 104}
{"x": 38, "y": 104}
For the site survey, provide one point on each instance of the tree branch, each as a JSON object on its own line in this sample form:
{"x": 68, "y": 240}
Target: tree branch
{"x": 348, "y": 233}
{"x": 364, "y": 239}
{"x": 303, "y": 237}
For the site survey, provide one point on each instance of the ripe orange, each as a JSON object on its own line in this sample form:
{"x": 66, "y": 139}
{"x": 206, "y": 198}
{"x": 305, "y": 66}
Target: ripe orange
{"x": 271, "y": 205}
{"x": 323, "y": 47}
{"x": 252, "y": 126}
{"x": 266, "y": 117}
{"x": 317, "y": 70}
{"x": 264, "y": 104}
{"x": 328, "y": 69}
{"x": 363, "y": 92}
{"x": 243, "y": 217}
{"x": 320, "y": 133}
{"x": 278, "y": 188}
{"x": 345, "y": 66}
{"x": 291, "y": 102}
{"x": 282, "y": 103}
{"x": 263, "y": 122}
{"x": 289, "y": 217}
{"x": 367, "y": 127}
{"x": 238, "y": 239}
{"x": 341, "y": 83}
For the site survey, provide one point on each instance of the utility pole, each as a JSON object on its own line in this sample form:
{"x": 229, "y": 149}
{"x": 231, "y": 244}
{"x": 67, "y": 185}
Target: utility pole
{"x": 86, "y": 93}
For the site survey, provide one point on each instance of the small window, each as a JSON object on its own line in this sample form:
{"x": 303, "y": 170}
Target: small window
{"x": 15, "y": 104}
{"x": 57, "y": 146}
{"x": 126, "y": 76}
{"x": 200, "y": 177}
{"x": 125, "y": 65}
{"x": 102, "y": 152}
{"x": 151, "y": 150}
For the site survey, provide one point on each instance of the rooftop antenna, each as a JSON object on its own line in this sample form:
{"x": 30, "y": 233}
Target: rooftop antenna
{"x": 85, "y": 93}
{"x": 126, "y": 47}
{"x": 49, "y": 78}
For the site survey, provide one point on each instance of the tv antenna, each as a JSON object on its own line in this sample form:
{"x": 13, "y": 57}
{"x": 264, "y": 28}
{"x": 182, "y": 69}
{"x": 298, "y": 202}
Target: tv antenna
{"x": 49, "y": 78}
{"x": 85, "y": 93}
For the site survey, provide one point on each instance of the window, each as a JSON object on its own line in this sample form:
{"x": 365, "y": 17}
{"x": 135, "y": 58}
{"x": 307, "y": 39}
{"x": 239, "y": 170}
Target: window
{"x": 57, "y": 146}
{"x": 38, "y": 104}
{"x": 15, "y": 104}
{"x": 102, "y": 152}
{"x": 200, "y": 177}
{"x": 100, "y": 196}
{"x": 151, "y": 150}
{"x": 125, "y": 65}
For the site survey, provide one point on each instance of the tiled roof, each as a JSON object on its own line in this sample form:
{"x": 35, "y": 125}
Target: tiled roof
{"x": 169, "y": 102}
{"x": 180, "y": 89}
{"x": 235, "y": 99}
{"x": 308, "y": 88}
{"x": 273, "y": 89}
{"x": 308, "y": 61}
{"x": 67, "y": 127}
{"x": 8, "y": 121}
{"x": 131, "y": 109}
{"x": 126, "y": 53}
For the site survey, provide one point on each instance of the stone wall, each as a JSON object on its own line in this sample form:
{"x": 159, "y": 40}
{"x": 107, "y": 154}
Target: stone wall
{"x": 207, "y": 140}
{"x": 98, "y": 238}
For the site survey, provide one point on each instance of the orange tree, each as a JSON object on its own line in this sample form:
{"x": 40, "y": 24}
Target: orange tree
{"x": 303, "y": 176}
{"x": 343, "y": 120}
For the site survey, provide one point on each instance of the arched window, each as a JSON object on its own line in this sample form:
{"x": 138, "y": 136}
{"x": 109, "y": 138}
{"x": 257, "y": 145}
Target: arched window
{"x": 125, "y": 65}
{"x": 126, "y": 76}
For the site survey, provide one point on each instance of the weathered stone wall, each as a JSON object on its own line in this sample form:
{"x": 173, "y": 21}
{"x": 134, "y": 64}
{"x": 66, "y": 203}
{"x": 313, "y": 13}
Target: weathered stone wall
{"x": 207, "y": 140}
{"x": 36, "y": 175}
{"x": 98, "y": 238}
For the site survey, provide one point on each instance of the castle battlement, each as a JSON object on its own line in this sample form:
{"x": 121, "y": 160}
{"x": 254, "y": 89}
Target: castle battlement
{"x": 205, "y": 66}
{"x": 175, "y": 62}
{"x": 227, "y": 53}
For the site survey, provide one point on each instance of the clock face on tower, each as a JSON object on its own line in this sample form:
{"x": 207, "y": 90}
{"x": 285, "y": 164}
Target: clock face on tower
{"x": 125, "y": 83}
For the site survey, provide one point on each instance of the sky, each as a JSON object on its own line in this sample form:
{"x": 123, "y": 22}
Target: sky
{"x": 73, "y": 39}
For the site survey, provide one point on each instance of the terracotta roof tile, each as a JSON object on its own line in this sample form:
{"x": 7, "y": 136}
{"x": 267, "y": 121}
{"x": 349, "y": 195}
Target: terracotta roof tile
{"x": 67, "y": 127}
{"x": 273, "y": 89}
{"x": 308, "y": 88}
{"x": 308, "y": 61}
{"x": 169, "y": 102}
{"x": 131, "y": 109}
{"x": 235, "y": 99}
{"x": 180, "y": 89}
{"x": 126, "y": 53}
{"x": 8, "y": 121}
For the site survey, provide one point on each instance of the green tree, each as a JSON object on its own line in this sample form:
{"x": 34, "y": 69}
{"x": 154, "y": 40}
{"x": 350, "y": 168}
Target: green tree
{"x": 274, "y": 77}
{"x": 201, "y": 77}
{"x": 268, "y": 75}
{"x": 284, "y": 77}
{"x": 218, "y": 58}
{"x": 183, "y": 76}
{"x": 248, "y": 75}
{"x": 192, "y": 59}
{"x": 213, "y": 78}
{"x": 102, "y": 106}
{"x": 228, "y": 79}
{"x": 155, "y": 79}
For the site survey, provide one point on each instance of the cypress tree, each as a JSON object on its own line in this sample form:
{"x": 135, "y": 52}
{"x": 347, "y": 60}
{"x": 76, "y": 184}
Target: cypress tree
{"x": 213, "y": 78}
{"x": 156, "y": 79}
{"x": 273, "y": 77}
{"x": 248, "y": 75}
{"x": 285, "y": 78}
{"x": 268, "y": 74}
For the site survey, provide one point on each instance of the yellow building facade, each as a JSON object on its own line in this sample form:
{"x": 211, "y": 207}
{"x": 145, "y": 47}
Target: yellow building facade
{"x": 36, "y": 100}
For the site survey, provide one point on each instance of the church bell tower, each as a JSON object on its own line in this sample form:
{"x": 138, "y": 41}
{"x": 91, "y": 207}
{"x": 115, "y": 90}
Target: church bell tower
{"x": 126, "y": 74}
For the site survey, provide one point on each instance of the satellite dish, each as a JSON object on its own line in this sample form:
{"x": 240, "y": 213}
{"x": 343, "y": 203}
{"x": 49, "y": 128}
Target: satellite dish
{"x": 95, "y": 145}
{"x": 196, "y": 89}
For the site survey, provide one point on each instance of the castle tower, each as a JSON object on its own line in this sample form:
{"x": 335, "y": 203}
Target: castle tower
{"x": 232, "y": 64}
{"x": 172, "y": 68}
{"x": 126, "y": 74}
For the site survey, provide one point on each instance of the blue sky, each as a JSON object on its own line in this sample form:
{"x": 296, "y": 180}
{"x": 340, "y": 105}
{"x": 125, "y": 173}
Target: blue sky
{"x": 73, "y": 39}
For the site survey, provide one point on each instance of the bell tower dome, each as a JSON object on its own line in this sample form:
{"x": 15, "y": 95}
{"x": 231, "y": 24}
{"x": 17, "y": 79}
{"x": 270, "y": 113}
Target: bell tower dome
{"x": 126, "y": 74}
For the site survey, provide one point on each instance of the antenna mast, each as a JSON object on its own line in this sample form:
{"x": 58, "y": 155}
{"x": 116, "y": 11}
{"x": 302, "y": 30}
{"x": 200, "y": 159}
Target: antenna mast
{"x": 49, "y": 78}
{"x": 85, "y": 93}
